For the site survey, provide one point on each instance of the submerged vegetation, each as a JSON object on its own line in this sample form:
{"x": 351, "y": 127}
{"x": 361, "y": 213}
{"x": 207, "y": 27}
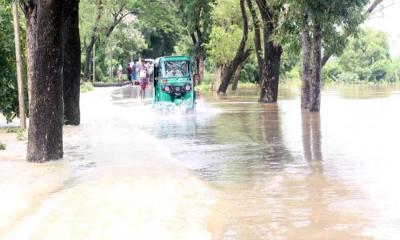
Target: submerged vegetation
{"x": 86, "y": 87}
{"x": 19, "y": 132}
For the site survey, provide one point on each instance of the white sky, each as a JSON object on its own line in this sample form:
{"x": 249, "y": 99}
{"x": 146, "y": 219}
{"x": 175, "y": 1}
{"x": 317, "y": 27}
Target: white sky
{"x": 387, "y": 19}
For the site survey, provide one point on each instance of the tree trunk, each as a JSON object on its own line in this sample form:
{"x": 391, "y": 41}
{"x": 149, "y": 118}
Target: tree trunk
{"x": 216, "y": 81}
{"x": 241, "y": 54}
{"x": 88, "y": 57}
{"x": 110, "y": 60}
{"x": 272, "y": 56}
{"x": 201, "y": 64}
{"x": 93, "y": 39}
{"x": 21, "y": 96}
{"x": 45, "y": 63}
{"x": 94, "y": 63}
{"x": 305, "y": 65}
{"x": 315, "y": 83}
{"x": 237, "y": 77}
{"x": 270, "y": 74}
{"x": 257, "y": 39}
{"x": 72, "y": 65}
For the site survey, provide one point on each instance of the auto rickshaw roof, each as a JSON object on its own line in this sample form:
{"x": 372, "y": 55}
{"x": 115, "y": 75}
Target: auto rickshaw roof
{"x": 172, "y": 58}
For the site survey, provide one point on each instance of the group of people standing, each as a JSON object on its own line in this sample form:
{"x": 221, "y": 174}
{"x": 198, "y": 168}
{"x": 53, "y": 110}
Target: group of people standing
{"x": 137, "y": 73}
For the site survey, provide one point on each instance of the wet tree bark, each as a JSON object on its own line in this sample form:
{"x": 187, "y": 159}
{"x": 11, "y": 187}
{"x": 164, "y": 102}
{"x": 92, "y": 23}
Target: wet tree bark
{"x": 305, "y": 65}
{"x": 315, "y": 83}
{"x": 72, "y": 63}
{"x": 241, "y": 55}
{"x": 45, "y": 61}
{"x": 237, "y": 77}
{"x": 201, "y": 63}
{"x": 270, "y": 69}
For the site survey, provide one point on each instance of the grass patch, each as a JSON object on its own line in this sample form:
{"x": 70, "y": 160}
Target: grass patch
{"x": 2, "y": 146}
{"x": 13, "y": 130}
{"x": 86, "y": 87}
{"x": 19, "y": 132}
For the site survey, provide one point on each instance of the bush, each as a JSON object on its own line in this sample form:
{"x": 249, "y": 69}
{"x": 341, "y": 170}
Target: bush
{"x": 249, "y": 73}
{"x": 86, "y": 87}
{"x": 19, "y": 132}
{"x": 348, "y": 77}
{"x": 365, "y": 59}
{"x": 2, "y": 146}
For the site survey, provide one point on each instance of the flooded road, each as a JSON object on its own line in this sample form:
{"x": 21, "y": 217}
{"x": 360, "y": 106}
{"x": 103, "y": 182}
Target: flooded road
{"x": 233, "y": 169}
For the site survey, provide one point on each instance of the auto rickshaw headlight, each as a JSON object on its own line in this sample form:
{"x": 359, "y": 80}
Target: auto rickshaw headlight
{"x": 188, "y": 87}
{"x": 166, "y": 88}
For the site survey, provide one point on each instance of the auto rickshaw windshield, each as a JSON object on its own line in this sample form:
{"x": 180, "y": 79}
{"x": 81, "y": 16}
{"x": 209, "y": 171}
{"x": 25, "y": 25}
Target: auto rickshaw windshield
{"x": 175, "y": 69}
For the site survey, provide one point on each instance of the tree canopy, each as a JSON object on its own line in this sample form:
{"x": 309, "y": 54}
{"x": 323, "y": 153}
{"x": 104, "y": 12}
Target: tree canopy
{"x": 365, "y": 59}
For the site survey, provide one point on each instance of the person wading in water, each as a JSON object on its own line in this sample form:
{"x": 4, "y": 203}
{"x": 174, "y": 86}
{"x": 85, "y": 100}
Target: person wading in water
{"x": 144, "y": 80}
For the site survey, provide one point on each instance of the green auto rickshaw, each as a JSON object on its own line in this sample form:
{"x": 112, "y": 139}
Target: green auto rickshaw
{"x": 172, "y": 77}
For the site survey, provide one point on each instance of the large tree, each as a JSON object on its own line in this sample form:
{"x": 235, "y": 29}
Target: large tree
{"x": 160, "y": 25}
{"x": 94, "y": 35}
{"x": 72, "y": 63}
{"x": 44, "y": 20}
{"x": 325, "y": 24}
{"x": 273, "y": 14}
{"x": 109, "y": 14}
{"x": 196, "y": 17}
{"x": 241, "y": 54}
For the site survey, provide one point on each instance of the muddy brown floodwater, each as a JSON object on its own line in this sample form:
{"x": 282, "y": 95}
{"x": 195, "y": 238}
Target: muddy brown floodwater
{"x": 232, "y": 169}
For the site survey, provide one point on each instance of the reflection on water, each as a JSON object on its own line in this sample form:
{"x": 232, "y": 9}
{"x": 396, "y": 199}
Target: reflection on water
{"x": 233, "y": 169}
{"x": 311, "y": 132}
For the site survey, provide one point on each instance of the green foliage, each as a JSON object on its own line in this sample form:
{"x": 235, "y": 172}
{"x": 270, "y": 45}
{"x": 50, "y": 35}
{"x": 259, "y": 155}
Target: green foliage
{"x": 183, "y": 47}
{"x": 365, "y": 59}
{"x": 160, "y": 25}
{"x": 20, "y": 133}
{"x": 207, "y": 80}
{"x": 249, "y": 72}
{"x": 8, "y": 79}
{"x": 86, "y": 87}
{"x": 338, "y": 19}
{"x": 2, "y": 146}
{"x": 223, "y": 44}
{"x": 8, "y": 82}
{"x": 148, "y": 29}
{"x": 226, "y": 34}
{"x": 196, "y": 16}
{"x": 126, "y": 43}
